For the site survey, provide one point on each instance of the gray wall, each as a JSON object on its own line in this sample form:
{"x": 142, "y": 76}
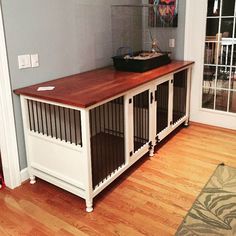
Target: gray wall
{"x": 164, "y": 34}
{"x": 126, "y": 29}
{"x": 130, "y": 28}
{"x": 70, "y": 36}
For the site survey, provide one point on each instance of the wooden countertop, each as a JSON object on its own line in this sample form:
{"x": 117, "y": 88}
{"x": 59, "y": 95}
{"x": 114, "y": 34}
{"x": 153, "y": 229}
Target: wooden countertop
{"x": 88, "y": 88}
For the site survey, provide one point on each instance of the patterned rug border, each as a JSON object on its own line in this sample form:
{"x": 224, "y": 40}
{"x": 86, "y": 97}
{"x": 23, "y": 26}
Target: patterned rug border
{"x": 184, "y": 219}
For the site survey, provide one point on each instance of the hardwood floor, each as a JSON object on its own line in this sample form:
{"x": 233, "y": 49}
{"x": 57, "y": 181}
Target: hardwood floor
{"x": 149, "y": 199}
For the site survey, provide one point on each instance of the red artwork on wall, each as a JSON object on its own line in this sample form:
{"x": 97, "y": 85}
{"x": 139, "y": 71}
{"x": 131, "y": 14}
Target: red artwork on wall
{"x": 164, "y": 13}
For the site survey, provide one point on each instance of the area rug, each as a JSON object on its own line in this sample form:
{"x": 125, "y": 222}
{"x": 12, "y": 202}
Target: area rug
{"x": 214, "y": 211}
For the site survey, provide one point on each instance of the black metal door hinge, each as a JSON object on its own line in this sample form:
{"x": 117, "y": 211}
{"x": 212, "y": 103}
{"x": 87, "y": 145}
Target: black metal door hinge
{"x": 151, "y": 97}
{"x": 150, "y": 145}
{"x": 157, "y": 139}
{"x": 156, "y": 95}
{"x": 130, "y": 100}
{"x": 131, "y": 153}
{"x": 171, "y": 123}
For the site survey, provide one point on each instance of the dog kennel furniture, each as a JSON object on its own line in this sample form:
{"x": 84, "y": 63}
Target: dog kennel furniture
{"x": 85, "y": 130}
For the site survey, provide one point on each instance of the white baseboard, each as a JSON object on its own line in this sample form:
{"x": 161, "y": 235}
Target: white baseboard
{"x": 24, "y": 174}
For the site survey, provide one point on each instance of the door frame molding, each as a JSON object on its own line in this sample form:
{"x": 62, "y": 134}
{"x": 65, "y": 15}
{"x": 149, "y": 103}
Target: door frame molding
{"x": 8, "y": 141}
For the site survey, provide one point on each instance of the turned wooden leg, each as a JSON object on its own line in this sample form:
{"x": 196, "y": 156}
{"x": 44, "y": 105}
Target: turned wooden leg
{"x": 89, "y": 205}
{"x": 186, "y": 123}
{"x": 151, "y": 151}
{"x": 32, "y": 179}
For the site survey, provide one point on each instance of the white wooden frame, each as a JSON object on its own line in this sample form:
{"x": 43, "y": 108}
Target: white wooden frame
{"x": 8, "y": 143}
{"x": 168, "y": 129}
{"x": 144, "y": 149}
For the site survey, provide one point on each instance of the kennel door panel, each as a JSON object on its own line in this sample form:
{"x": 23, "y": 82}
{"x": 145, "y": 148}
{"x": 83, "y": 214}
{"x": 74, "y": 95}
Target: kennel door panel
{"x": 141, "y": 111}
{"x": 162, "y": 111}
{"x": 107, "y": 139}
{"x": 179, "y": 95}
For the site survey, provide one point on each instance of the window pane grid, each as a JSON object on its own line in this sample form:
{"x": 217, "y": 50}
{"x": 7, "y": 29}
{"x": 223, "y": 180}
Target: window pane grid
{"x": 219, "y": 79}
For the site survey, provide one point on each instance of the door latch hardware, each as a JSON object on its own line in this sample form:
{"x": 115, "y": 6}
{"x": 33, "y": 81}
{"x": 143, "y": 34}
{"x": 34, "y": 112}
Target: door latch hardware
{"x": 151, "y": 98}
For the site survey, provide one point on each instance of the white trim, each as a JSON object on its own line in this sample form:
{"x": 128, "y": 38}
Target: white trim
{"x": 187, "y": 31}
{"x": 85, "y": 126}
{"x": 195, "y": 15}
{"x": 8, "y": 143}
{"x": 24, "y": 175}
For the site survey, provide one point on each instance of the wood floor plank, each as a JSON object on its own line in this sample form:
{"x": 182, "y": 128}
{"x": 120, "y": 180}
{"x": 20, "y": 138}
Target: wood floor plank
{"x": 151, "y": 198}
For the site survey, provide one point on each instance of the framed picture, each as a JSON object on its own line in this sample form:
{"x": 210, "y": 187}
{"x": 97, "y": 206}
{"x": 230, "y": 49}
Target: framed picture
{"x": 163, "y": 13}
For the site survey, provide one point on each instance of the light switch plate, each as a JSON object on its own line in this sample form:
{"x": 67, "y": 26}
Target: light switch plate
{"x": 24, "y": 61}
{"x": 34, "y": 60}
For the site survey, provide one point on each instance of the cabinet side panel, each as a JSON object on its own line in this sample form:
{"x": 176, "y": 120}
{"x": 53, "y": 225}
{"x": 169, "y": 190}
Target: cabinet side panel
{"x": 57, "y": 160}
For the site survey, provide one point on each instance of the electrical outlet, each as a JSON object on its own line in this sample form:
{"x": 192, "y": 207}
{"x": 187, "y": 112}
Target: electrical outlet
{"x": 171, "y": 43}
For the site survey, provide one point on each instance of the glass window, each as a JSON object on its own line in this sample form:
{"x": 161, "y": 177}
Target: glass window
{"x": 223, "y": 77}
{"x": 228, "y": 7}
{"x": 208, "y": 98}
{"x": 213, "y": 8}
{"x": 232, "y": 102}
{"x": 225, "y": 51}
{"x": 227, "y": 27}
{"x": 219, "y": 75}
{"x": 233, "y": 78}
{"x": 209, "y": 76}
{"x": 212, "y": 27}
{"x": 221, "y": 100}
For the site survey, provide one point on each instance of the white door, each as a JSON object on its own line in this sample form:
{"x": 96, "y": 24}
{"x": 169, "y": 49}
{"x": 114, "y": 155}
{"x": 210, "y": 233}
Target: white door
{"x": 222, "y": 115}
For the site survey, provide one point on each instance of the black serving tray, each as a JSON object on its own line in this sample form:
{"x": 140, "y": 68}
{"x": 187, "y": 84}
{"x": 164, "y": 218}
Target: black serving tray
{"x": 135, "y": 65}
